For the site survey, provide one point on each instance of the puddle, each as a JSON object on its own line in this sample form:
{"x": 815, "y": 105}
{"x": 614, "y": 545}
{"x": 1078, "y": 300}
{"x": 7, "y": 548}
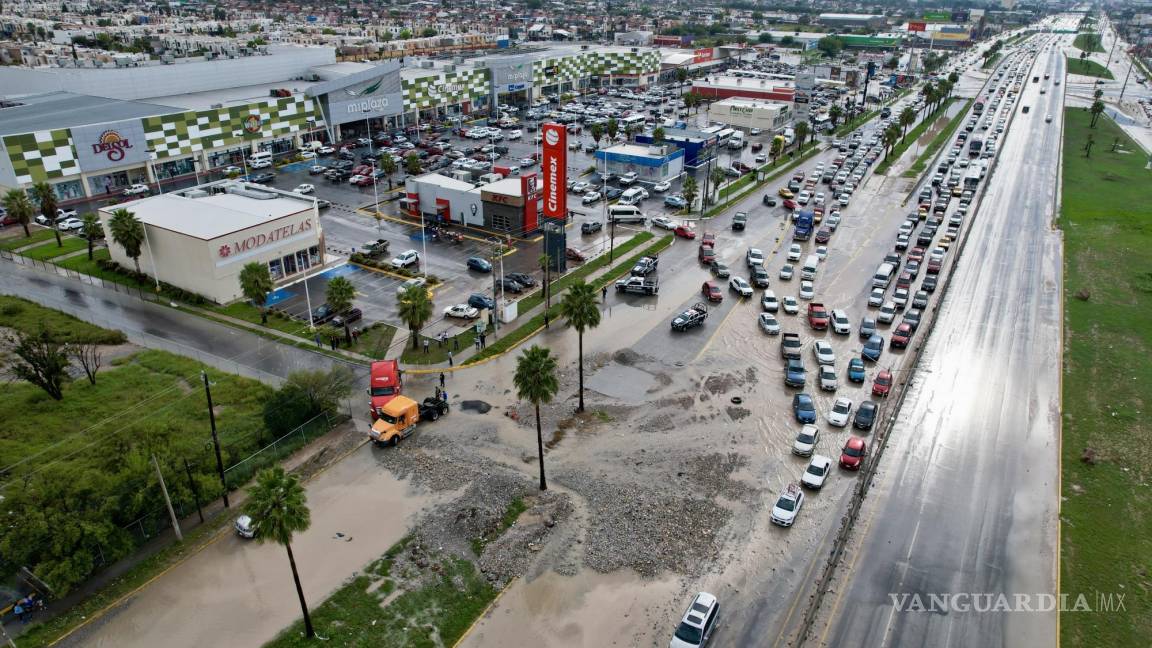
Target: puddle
{"x": 478, "y": 406}
{"x": 626, "y": 384}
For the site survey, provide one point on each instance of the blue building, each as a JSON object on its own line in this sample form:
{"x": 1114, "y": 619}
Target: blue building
{"x": 650, "y": 163}
{"x": 698, "y": 147}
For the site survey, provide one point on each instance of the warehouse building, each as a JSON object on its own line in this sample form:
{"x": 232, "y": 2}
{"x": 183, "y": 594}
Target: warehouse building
{"x": 746, "y": 114}
{"x": 198, "y": 239}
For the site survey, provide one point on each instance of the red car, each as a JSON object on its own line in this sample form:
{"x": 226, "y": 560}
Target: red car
{"x": 916, "y": 254}
{"x": 823, "y": 235}
{"x": 364, "y": 181}
{"x": 706, "y": 255}
{"x": 817, "y": 316}
{"x": 712, "y": 292}
{"x": 789, "y": 204}
{"x": 684, "y": 232}
{"x": 574, "y": 255}
{"x": 708, "y": 240}
{"x": 901, "y": 336}
{"x": 934, "y": 266}
{"x": 852, "y": 456}
{"x": 904, "y": 280}
{"x": 882, "y": 384}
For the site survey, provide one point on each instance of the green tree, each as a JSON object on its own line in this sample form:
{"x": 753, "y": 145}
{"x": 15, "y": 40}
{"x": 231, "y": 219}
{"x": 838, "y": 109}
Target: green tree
{"x": 889, "y": 138}
{"x": 907, "y": 118}
{"x": 255, "y": 284}
{"x": 681, "y": 77}
{"x": 412, "y": 164}
{"x": 716, "y": 177}
{"x": 404, "y": 34}
{"x": 764, "y": 37}
{"x": 787, "y": 41}
{"x": 46, "y": 196}
{"x": 388, "y": 166}
{"x": 536, "y": 382}
{"x": 689, "y": 191}
{"x": 658, "y": 135}
{"x": 835, "y": 113}
{"x": 18, "y": 205}
{"x": 128, "y": 232}
{"x": 953, "y": 78}
{"x": 1097, "y": 109}
{"x": 802, "y": 131}
{"x": 830, "y": 46}
{"x": 340, "y": 292}
{"x": 1097, "y": 94}
{"x": 428, "y": 32}
{"x": 41, "y": 360}
{"x": 776, "y": 149}
{"x": 580, "y": 309}
{"x": 415, "y": 311}
{"x": 278, "y": 507}
{"x": 91, "y": 230}
{"x": 597, "y": 133}
{"x": 612, "y": 128}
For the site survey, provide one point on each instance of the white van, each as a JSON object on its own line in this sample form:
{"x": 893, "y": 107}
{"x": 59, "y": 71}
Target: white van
{"x": 626, "y": 214}
{"x": 632, "y": 196}
{"x": 489, "y": 178}
{"x": 808, "y": 271}
{"x": 883, "y": 275}
{"x": 736, "y": 142}
{"x": 261, "y": 160}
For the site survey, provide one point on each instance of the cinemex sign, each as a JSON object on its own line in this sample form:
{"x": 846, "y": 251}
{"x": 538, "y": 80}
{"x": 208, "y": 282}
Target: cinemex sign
{"x": 555, "y": 169}
{"x": 256, "y": 242}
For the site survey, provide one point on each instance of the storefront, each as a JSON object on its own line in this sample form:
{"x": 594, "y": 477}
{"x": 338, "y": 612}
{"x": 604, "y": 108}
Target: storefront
{"x": 229, "y": 157}
{"x": 371, "y": 99}
{"x": 512, "y": 206}
{"x": 199, "y": 239}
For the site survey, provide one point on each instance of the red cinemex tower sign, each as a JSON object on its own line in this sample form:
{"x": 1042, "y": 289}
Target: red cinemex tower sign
{"x": 554, "y": 169}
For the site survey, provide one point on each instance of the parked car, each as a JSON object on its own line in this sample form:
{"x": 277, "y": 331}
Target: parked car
{"x": 462, "y": 311}
{"x": 853, "y": 454}
{"x": 479, "y": 264}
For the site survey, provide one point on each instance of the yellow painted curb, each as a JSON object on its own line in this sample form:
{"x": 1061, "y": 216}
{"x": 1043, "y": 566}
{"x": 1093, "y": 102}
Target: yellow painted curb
{"x": 212, "y": 540}
{"x": 486, "y": 610}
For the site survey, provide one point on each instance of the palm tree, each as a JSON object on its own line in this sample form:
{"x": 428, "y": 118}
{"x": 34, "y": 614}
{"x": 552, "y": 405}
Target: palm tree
{"x": 929, "y": 93}
{"x": 890, "y": 137}
{"x": 689, "y": 191}
{"x": 278, "y": 507}
{"x": 1097, "y": 94}
{"x": 776, "y": 149}
{"x": 46, "y": 196}
{"x": 536, "y": 383}
{"x": 412, "y": 164}
{"x": 681, "y": 78}
{"x": 716, "y": 177}
{"x": 20, "y": 208}
{"x": 835, "y": 113}
{"x": 597, "y": 133}
{"x": 128, "y": 232}
{"x": 579, "y": 307}
{"x": 1096, "y": 110}
{"x": 91, "y": 230}
{"x": 255, "y": 284}
{"x": 415, "y": 310}
{"x": 953, "y": 78}
{"x": 339, "y": 293}
{"x": 388, "y": 166}
{"x": 801, "y": 134}
{"x": 612, "y": 128}
{"x": 658, "y": 135}
{"x": 907, "y": 118}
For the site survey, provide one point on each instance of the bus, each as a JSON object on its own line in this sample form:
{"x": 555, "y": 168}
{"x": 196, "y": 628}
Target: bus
{"x": 632, "y": 120}
{"x": 724, "y": 135}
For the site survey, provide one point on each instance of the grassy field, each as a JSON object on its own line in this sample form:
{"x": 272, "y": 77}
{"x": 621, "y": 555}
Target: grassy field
{"x": 914, "y": 134}
{"x": 243, "y": 310}
{"x": 938, "y": 142}
{"x": 50, "y": 250}
{"x": 30, "y": 317}
{"x": 393, "y": 602}
{"x": 992, "y": 60}
{"x": 375, "y": 340}
{"x": 1106, "y": 515}
{"x": 1088, "y": 42}
{"x": 19, "y": 241}
{"x": 1087, "y": 68}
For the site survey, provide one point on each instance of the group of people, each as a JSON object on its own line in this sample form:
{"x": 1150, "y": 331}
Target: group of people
{"x": 26, "y": 606}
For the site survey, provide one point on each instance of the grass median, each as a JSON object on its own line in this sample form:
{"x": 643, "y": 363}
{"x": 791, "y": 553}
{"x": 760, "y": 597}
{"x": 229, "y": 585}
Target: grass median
{"x": 1088, "y": 42}
{"x": 916, "y": 133}
{"x": 49, "y": 250}
{"x": 1106, "y": 512}
{"x": 537, "y": 298}
{"x": 17, "y": 242}
{"x": 937, "y": 143}
{"x": 748, "y": 184}
{"x": 528, "y": 328}
{"x": 1087, "y": 68}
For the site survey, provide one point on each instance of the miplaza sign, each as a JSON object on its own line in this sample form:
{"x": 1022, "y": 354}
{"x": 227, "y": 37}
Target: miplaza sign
{"x": 257, "y": 241}
{"x": 376, "y": 104}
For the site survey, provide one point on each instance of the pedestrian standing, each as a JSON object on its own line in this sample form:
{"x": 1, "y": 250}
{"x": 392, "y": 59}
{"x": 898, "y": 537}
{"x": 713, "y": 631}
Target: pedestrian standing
{"x": 317, "y": 338}
{"x": 441, "y": 379}
{"x": 450, "y": 362}
{"x": 476, "y": 342}
{"x": 456, "y": 343}
{"x": 333, "y": 340}
{"x": 604, "y": 294}
{"x": 19, "y": 610}
{"x": 425, "y": 346}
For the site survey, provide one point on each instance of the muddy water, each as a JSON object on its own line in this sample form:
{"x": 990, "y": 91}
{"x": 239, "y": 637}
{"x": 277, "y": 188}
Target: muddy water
{"x": 588, "y": 609}
{"x": 239, "y": 593}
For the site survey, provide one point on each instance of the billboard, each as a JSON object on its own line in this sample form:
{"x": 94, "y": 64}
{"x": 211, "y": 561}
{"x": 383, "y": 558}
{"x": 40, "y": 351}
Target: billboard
{"x": 554, "y": 167}
{"x": 954, "y": 36}
{"x": 368, "y": 94}
{"x": 113, "y": 144}
{"x": 703, "y": 55}
{"x": 512, "y": 72}
{"x": 937, "y": 16}
{"x": 917, "y": 26}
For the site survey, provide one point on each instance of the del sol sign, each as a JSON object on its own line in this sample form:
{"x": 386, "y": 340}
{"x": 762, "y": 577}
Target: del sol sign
{"x": 258, "y": 241}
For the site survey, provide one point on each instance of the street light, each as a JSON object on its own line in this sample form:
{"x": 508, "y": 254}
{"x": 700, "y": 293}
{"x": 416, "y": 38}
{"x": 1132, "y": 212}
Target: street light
{"x": 375, "y": 194}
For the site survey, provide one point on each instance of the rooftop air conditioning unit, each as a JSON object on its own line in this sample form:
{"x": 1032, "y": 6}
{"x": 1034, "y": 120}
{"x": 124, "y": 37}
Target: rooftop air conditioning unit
{"x": 217, "y": 105}
{"x": 427, "y": 64}
{"x": 449, "y": 68}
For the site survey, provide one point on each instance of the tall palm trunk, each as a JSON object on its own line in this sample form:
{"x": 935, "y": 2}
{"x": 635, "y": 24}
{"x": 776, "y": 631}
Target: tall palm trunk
{"x": 56, "y": 231}
{"x": 135, "y": 260}
{"x": 540, "y": 448}
{"x": 580, "y": 346}
{"x": 308, "y": 631}
{"x": 90, "y": 242}
{"x": 27, "y": 233}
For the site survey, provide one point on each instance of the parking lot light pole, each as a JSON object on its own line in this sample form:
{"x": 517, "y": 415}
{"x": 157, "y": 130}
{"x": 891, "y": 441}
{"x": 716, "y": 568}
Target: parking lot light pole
{"x": 375, "y": 194}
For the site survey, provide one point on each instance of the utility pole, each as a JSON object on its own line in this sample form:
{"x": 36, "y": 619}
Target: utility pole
{"x": 167, "y": 500}
{"x": 1124, "y": 87}
{"x": 215, "y": 439}
{"x": 611, "y": 239}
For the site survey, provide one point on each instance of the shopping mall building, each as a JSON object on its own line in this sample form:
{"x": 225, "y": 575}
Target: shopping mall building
{"x": 92, "y": 132}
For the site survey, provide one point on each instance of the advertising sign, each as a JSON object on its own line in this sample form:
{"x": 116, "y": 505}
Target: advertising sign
{"x": 512, "y": 72}
{"x": 113, "y": 144}
{"x": 554, "y": 168}
{"x": 369, "y": 94}
{"x": 937, "y": 16}
{"x": 917, "y": 26}
{"x": 703, "y": 55}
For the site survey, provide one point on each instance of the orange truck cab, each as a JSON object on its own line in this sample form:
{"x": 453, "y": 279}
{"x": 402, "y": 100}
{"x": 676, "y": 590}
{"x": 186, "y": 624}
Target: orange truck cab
{"x": 384, "y": 384}
{"x": 398, "y": 418}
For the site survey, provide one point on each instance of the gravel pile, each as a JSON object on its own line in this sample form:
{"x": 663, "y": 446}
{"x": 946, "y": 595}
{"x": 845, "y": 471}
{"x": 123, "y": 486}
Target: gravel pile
{"x": 711, "y": 475}
{"x": 646, "y": 528}
{"x": 511, "y": 553}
